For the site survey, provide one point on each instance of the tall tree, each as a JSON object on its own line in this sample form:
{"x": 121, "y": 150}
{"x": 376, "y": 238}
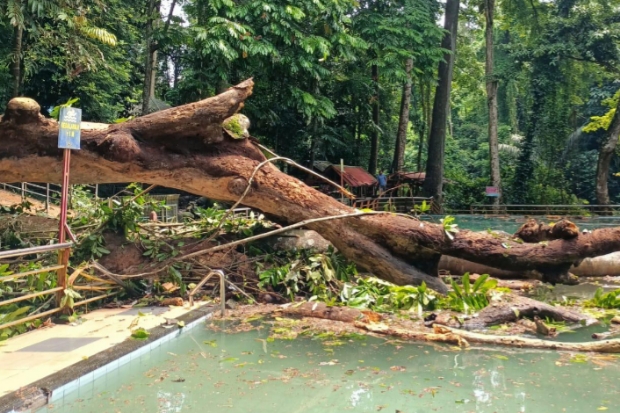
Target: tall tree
{"x": 150, "y": 54}
{"x": 492, "y": 83}
{"x": 433, "y": 184}
{"x": 403, "y": 120}
{"x": 16, "y": 65}
{"x": 374, "y": 135}
{"x": 606, "y": 152}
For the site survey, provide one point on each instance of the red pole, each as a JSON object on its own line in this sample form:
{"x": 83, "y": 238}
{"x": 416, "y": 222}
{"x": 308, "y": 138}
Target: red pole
{"x": 63, "y": 258}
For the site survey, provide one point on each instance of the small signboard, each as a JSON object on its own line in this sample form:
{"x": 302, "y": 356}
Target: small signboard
{"x": 69, "y": 134}
{"x": 492, "y": 191}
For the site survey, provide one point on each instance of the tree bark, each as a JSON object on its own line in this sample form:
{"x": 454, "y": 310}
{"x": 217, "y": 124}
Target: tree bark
{"x": 150, "y": 62}
{"x": 403, "y": 121}
{"x": 489, "y": 8}
{"x": 515, "y": 307}
{"x": 16, "y": 65}
{"x": 374, "y": 142}
{"x": 185, "y": 148}
{"x": 606, "y": 152}
{"x": 433, "y": 183}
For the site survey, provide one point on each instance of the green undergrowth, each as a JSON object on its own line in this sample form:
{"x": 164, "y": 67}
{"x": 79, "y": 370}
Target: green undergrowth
{"x": 610, "y": 300}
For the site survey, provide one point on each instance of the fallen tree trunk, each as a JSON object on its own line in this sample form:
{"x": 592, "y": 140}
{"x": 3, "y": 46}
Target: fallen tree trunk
{"x": 600, "y": 266}
{"x": 322, "y": 310}
{"x": 367, "y": 320}
{"x": 185, "y": 148}
{"x": 462, "y": 338}
{"x": 513, "y": 307}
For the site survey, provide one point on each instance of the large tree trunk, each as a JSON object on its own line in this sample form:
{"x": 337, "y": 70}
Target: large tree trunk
{"x": 403, "y": 121}
{"x": 489, "y": 8}
{"x": 608, "y": 148}
{"x": 185, "y": 148}
{"x": 16, "y": 65}
{"x": 433, "y": 183}
{"x": 374, "y": 142}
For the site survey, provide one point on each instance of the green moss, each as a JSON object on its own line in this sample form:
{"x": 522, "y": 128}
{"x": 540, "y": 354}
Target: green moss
{"x": 233, "y": 127}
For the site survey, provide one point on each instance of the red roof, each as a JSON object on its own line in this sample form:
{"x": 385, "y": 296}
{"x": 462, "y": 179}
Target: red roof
{"x": 355, "y": 176}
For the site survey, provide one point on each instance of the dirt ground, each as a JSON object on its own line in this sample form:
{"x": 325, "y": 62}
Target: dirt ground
{"x": 8, "y": 198}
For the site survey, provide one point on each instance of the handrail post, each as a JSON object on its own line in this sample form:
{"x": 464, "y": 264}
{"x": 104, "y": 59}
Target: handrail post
{"x": 47, "y": 198}
{"x": 222, "y": 276}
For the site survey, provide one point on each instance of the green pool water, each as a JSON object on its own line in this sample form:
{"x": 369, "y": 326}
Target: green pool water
{"x": 205, "y": 371}
{"x": 510, "y": 224}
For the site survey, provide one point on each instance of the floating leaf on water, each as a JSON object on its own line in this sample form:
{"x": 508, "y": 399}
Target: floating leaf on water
{"x": 579, "y": 358}
{"x": 328, "y": 363}
{"x": 603, "y": 408}
{"x": 252, "y": 318}
{"x": 211, "y": 343}
{"x": 500, "y": 357}
{"x": 229, "y": 360}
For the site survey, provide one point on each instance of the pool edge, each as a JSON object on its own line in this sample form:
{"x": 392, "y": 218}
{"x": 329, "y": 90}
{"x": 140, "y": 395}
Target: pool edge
{"x": 56, "y": 385}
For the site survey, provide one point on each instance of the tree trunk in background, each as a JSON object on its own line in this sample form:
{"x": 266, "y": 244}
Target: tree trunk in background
{"x": 403, "y": 122}
{"x": 608, "y": 148}
{"x": 374, "y": 143}
{"x": 489, "y": 9}
{"x": 433, "y": 184}
{"x": 150, "y": 62}
{"x": 425, "y": 92}
{"x": 16, "y": 65}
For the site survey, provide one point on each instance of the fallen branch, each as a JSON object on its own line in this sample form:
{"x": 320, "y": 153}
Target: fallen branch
{"x": 513, "y": 307}
{"x": 604, "y": 346}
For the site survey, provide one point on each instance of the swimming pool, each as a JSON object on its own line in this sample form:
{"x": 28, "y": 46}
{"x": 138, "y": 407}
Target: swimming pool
{"x": 207, "y": 371}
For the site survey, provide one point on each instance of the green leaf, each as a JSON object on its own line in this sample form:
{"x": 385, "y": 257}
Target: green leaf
{"x": 140, "y": 334}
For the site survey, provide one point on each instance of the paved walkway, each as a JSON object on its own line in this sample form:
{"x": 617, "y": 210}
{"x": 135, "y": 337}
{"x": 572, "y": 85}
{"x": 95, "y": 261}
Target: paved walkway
{"x": 32, "y": 356}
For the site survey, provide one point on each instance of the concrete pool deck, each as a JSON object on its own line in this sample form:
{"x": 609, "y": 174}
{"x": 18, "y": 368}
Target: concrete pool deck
{"x": 30, "y": 358}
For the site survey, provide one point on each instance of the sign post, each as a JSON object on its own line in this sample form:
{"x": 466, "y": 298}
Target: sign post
{"x": 68, "y": 138}
{"x": 492, "y": 191}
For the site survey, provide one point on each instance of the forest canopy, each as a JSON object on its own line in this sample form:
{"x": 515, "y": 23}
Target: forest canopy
{"x": 332, "y": 78}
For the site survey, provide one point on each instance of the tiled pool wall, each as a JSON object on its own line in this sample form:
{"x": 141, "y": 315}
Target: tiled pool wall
{"x": 60, "y": 392}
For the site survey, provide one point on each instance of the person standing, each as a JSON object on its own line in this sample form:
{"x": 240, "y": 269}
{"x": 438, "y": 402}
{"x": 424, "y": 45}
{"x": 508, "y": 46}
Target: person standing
{"x": 382, "y": 181}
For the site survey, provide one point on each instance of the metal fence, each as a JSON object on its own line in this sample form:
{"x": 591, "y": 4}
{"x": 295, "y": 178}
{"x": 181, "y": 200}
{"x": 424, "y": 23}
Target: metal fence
{"x": 559, "y": 210}
{"x": 47, "y": 193}
{"x": 79, "y": 281}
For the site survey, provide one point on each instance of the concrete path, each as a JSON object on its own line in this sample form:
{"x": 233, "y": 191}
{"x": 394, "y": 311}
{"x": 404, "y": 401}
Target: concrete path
{"x": 29, "y": 357}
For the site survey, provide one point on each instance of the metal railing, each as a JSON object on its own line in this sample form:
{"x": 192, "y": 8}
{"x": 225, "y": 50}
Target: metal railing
{"x": 94, "y": 284}
{"x": 48, "y": 193}
{"x": 222, "y": 276}
{"x": 559, "y": 210}
{"x": 60, "y": 269}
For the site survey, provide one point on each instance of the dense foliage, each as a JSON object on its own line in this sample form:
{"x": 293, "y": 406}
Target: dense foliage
{"x": 330, "y": 76}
